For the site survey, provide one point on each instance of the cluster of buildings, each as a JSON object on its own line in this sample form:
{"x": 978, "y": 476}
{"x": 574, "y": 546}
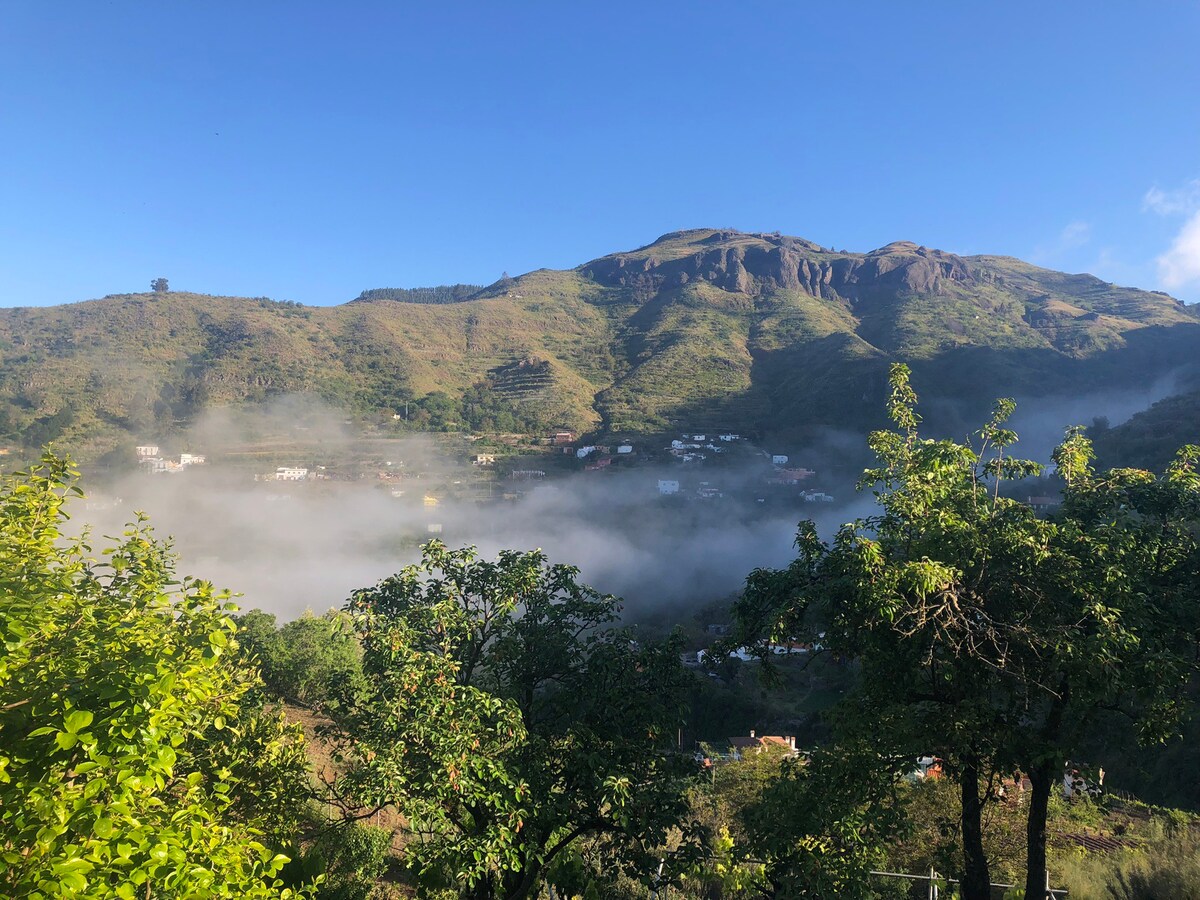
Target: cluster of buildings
{"x": 690, "y": 447}
{"x": 149, "y": 459}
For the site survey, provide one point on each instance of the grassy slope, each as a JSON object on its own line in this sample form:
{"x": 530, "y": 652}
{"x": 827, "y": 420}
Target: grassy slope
{"x": 699, "y": 328}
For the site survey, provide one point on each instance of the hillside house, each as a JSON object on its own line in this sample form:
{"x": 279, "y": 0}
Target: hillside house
{"x": 146, "y": 451}
{"x": 157, "y": 466}
{"x": 779, "y": 459}
{"x": 192, "y": 459}
{"x": 291, "y": 473}
{"x": 816, "y": 497}
{"x": 558, "y": 438}
{"x": 928, "y": 767}
{"x": 483, "y": 459}
{"x": 1044, "y": 504}
{"x": 740, "y": 747}
{"x": 730, "y": 437}
{"x": 599, "y": 464}
{"x": 668, "y": 486}
{"x": 584, "y": 452}
{"x": 625, "y": 448}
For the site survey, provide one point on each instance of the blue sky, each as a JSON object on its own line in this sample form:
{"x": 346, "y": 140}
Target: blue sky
{"x": 307, "y": 151}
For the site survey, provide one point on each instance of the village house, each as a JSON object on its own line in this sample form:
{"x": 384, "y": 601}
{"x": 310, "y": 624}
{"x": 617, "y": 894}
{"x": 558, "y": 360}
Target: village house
{"x": 625, "y": 448}
{"x": 740, "y": 747}
{"x": 483, "y": 459}
{"x": 157, "y": 466}
{"x": 730, "y": 437}
{"x": 584, "y": 452}
{"x": 192, "y": 459}
{"x": 146, "y": 451}
{"x": 291, "y": 473}
{"x": 668, "y": 486}
{"x": 558, "y": 438}
{"x": 779, "y": 459}
{"x": 599, "y": 464}
{"x": 526, "y": 474}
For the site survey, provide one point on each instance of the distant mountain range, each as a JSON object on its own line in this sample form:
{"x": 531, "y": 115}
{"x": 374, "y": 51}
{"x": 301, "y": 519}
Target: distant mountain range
{"x": 759, "y": 333}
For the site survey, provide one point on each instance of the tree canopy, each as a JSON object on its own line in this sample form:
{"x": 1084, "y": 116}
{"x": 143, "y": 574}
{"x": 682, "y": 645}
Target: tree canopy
{"x": 508, "y": 720}
{"x": 130, "y": 762}
{"x": 989, "y": 636}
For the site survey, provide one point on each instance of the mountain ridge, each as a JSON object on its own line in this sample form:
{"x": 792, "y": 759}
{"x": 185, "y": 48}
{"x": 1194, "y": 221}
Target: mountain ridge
{"x": 763, "y": 333}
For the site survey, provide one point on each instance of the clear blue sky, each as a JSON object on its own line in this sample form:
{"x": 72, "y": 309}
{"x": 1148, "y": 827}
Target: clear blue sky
{"x": 309, "y": 150}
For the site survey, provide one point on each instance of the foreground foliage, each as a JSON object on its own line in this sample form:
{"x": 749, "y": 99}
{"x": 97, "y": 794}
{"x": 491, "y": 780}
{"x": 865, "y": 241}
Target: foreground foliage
{"x": 988, "y": 636}
{"x": 130, "y": 762}
{"x": 508, "y": 719}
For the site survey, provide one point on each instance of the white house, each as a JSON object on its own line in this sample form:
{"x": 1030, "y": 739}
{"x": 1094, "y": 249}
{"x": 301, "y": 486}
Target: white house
{"x": 731, "y": 437}
{"x": 625, "y": 448}
{"x": 779, "y": 460}
{"x": 816, "y": 497}
{"x": 146, "y": 451}
{"x": 290, "y": 473}
{"x": 583, "y": 452}
{"x": 192, "y": 459}
{"x": 668, "y": 486}
{"x": 699, "y": 437}
{"x": 484, "y": 459}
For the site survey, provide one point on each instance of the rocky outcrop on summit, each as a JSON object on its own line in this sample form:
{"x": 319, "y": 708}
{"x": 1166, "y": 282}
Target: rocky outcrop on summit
{"x": 761, "y": 263}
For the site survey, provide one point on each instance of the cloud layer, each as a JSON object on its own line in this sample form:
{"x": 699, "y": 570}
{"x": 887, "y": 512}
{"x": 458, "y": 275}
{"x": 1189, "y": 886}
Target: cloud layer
{"x": 1180, "y": 265}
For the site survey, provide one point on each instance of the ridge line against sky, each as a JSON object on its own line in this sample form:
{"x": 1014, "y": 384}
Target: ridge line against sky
{"x": 305, "y": 151}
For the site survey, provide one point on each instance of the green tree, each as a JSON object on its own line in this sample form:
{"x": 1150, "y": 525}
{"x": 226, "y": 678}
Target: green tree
{"x": 307, "y": 659}
{"x": 987, "y": 635}
{"x": 128, "y": 766}
{"x": 159, "y": 285}
{"x": 825, "y": 823}
{"x": 1112, "y": 626}
{"x": 508, "y": 719}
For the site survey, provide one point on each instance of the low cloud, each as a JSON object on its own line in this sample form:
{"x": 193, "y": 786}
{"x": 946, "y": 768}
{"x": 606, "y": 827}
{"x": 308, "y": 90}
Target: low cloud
{"x": 1180, "y": 265}
{"x": 1179, "y": 201}
{"x": 1073, "y": 236}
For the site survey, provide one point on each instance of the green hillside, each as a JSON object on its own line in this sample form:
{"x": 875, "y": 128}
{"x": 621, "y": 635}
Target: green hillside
{"x": 760, "y": 333}
{"x": 1151, "y": 438}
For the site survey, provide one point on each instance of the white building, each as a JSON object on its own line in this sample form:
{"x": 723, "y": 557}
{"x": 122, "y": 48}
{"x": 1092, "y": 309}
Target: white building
{"x": 583, "y": 452}
{"x": 290, "y": 473}
{"x": 484, "y": 459}
{"x": 625, "y": 448}
{"x": 730, "y": 437}
{"x": 192, "y": 459}
{"x": 146, "y": 451}
{"x": 779, "y": 460}
{"x": 668, "y": 486}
